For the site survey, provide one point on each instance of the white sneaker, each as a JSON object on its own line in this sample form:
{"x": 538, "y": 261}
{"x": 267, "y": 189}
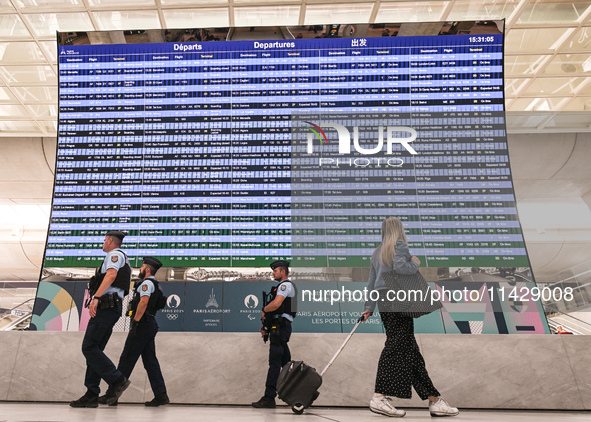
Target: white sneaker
{"x": 383, "y": 406}
{"x": 441, "y": 408}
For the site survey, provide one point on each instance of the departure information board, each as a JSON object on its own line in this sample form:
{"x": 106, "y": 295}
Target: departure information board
{"x": 189, "y": 147}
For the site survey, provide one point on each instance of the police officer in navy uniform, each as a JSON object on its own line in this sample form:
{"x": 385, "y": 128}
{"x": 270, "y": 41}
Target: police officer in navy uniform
{"x": 277, "y": 317}
{"x": 108, "y": 287}
{"x": 140, "y": 340}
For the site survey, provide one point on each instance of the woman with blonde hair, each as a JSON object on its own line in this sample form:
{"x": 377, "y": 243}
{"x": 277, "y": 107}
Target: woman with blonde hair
{"x": 401, "y": 364}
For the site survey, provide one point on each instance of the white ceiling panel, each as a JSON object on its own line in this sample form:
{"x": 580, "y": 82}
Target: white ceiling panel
{"x": 523, "y": 65}
{"x": 553, "y": 11}
{"x": 200, "y": 18}
{"x": 13, "y": 127}
{"x": 38, "y": 94}
{"x": 6, "y": 97}
{"x": 38, "y": 5}
{"x": 581, "y": 41}
{"x": 43, "y": 111}
{"x": 259, "y": 16}
{"x": 113, "y": 20}
{"x": 8, "y": 111}
{"x": 536, "y": 104}
{"x": 120, "y": 4}
{"x": 534, "y": 40}
{"x": 6, "y": 6}
{"x": 578, "y": 104}
{"x": 21, "y": 53}
{"x": 569, "y": 65}
{"x": 12, "y": 27}
{"x": 338, "y": 13}
{"x": 30, "y": 75}
{"x": 411, "y": 11}
{"x": 46, "y": 24}
{"x": 553, "y": 86}
{"x": 481, "y": 10}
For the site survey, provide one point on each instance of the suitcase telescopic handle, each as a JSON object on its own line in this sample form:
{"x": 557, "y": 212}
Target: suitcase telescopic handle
{"x": 343, "y": 345}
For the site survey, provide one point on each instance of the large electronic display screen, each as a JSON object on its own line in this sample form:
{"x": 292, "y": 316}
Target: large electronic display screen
{"x": 219, "y": 157}
{"x": 189, "y": 148}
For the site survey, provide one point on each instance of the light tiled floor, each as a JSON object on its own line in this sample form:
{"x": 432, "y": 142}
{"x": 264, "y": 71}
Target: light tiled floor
{"x": 61, "y": 412}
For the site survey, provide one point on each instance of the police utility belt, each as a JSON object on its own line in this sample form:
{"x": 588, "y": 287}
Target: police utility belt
{"x": 106, "y": 301}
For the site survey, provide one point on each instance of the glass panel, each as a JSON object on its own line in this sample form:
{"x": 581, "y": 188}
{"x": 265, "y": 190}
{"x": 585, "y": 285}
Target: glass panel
{"x": 523, "y": 65}
{"x": 338, "y": 13}
{"x": 537, "y": 104}
{"x": 570, "y": 121}
{"x": 192, "y": 2}
{"x": 533, "y": 40}
{"x": 569, "y": 64}
{"x": 16, "y": 126}
{"x": 145, "y": 19}
{"x": 50, "y": 4}
{"x": 586, "y": 90}
{"x": 6, "y": 97}
{"x": 579, "y": 104}
{"x": 512, "y": 86}
{"x": 201, "y": 18}
{"x": 525, "y": 120}
{"x": 261, "y": 16}
{"x": 118, "y": 3}
{"x": 414, "y": 11}
{"x": 553, "y": 11}
{"x": 20, "y": 52}
{"x": 41, "y": 75}
{"x": 50, "y": 126}
{"x": 14, "y": 111}
{"x": 581, "y": 41}
{"x": 39, "y": 94}
{"x": 5, "y": 6}
{"x": 553, "y": 86}
{"x": 43, "y": 111}
{"x": 481, "y": 10}
{"x": 50, "y": 49}
{"x": 11, "y": 27}
{"x": 46, "y": 24}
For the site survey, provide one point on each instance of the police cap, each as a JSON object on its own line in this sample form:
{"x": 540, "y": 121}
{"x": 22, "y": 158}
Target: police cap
{"x": 153, "y": 262}
{"x": 116, "y": 233}
{"x": 279, "y": 263}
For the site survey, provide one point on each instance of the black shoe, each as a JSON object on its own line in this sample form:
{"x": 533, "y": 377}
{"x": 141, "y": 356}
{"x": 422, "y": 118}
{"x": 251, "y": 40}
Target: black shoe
{"x": 160, "y": 400}
{"x": 104, "y": 400}
{"x": 118, "y": 388}
{"x": 87, "y": 400}
{"x": 265, "y": 402}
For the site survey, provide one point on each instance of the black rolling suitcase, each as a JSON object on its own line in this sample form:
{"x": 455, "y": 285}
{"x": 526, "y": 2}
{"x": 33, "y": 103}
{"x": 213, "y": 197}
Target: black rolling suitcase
{"x": 298, "y": 383}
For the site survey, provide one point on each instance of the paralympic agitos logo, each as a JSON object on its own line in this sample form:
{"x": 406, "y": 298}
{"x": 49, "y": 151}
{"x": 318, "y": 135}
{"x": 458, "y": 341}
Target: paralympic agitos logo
{"x": 392, "y": 136}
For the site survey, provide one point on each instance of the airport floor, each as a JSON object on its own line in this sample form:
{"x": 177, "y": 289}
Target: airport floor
{"x": 61, "y": 412}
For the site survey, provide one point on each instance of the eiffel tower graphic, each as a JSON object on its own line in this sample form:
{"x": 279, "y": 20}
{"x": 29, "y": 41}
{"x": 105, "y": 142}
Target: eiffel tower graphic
{"x": 212, "y": 301}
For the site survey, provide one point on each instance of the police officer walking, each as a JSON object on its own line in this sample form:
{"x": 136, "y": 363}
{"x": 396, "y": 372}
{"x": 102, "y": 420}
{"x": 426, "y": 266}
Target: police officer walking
{"x": 277, "y": 316}
{"x": 140, "y": 340}
{"x": 107, "y": 288}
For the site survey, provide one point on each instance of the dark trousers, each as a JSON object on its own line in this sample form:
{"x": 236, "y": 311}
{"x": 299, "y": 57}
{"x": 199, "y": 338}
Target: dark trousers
{"x": 143, "y": 345}
{"x": 98, "y": 365}
{"x": 279, "y": 355}
{"x": 401, "y": 364}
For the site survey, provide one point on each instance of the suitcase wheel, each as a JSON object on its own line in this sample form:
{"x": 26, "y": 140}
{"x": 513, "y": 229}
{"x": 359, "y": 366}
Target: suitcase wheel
{"x": 298, "y": 408}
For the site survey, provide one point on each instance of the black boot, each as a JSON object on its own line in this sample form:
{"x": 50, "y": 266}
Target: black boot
{"x": 87, "y": 400}
{"x": 104, "y": 399}
{"x": 160, "y": 400}
{"x": 265, "y": 402}
{"x": 118, "y": 388}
